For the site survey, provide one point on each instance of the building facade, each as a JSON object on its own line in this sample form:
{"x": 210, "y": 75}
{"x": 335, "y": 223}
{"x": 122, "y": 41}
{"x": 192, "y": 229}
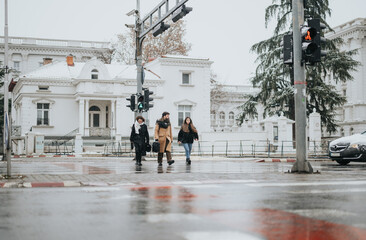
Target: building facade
{"x": 352, "y": 116}
{"x": 88, "y": 99}
{"x": 28, "y": 54}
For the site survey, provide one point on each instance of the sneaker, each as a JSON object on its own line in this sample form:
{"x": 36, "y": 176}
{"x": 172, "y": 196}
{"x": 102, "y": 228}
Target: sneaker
{"x": 170, "y": 162}
{"x": 189, "y": 162}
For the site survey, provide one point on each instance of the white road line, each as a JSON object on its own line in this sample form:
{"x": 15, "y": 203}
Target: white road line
{"x": 219, "y": 235}
{"x": 288, "y": 184}
{"x": 326, "y": 191}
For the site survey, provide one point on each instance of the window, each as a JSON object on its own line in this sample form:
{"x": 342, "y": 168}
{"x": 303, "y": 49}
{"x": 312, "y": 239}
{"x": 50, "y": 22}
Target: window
{"x": 213, "y": 118}
{"x": 1, "y": 63}
{"x": 183, "y": 112}
{"x": 275, "y": 133}
{"x": 17, "y": 66}
{"x": 43, "y": 113}
{"x": 106, "y": 117}
{"x": 231, "y": 119}
{"x": 222, "y": 119}
{"x": 94, "y": 116}
{"x": 186, "y": 78}
{"x": 44, "y": 88}
{"x": 94, "y": 74}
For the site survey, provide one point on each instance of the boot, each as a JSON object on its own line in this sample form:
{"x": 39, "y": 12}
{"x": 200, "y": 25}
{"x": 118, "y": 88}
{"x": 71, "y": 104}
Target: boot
{"x": 188, "y": 161}
{"x": 160, "y": 158}
{"x": 169, "y": 158}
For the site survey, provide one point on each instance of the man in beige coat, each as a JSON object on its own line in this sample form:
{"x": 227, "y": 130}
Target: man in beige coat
{"x": 163, "y": 134}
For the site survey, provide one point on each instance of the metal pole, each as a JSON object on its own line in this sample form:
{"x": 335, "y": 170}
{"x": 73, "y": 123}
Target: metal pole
{"x": 301, "y": 164}
{"x": 7, "y": 137}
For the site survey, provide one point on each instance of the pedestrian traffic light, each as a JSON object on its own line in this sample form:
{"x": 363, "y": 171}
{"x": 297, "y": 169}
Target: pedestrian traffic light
{"x": 318, "y": 40}
{"x": 140, "y": 103}
{"x": 132, "y": 104}
{"x": 307, "y": 43}
{"x": 287, "y": 49}
{"x": 181, "y": 12}
{"x": 160, "y": 29}
{"x": 311, "y": 42}
{"x": 148, "y": 100}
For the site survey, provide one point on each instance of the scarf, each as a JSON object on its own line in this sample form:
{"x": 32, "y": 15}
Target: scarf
{"x": 137, "y": 127}
{"x": 163, "y": 123}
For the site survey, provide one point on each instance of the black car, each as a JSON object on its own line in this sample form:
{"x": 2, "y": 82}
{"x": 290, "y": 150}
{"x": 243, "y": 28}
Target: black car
{"x": 348, "y": 149}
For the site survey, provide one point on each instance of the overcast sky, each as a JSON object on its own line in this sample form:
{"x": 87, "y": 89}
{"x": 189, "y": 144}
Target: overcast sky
{"x": 222, "y": 31}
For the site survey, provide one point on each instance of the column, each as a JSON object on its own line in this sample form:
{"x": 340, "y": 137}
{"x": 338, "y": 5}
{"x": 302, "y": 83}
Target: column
{"x": 81, "y": 116}
{"x": 118, "y": 116}
{"x": 86, "y": 123}
{"x": 113, "y": 128}
{"x": 24, "y": 63}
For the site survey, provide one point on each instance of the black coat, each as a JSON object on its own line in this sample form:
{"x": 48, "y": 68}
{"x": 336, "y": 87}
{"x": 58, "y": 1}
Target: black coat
{"x": 187, "y": 137}
{"x": 142, "y": 138}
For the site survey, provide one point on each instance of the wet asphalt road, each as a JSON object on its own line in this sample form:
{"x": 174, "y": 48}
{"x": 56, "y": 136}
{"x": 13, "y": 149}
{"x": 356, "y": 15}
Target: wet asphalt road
{"x": 248, "y": 201}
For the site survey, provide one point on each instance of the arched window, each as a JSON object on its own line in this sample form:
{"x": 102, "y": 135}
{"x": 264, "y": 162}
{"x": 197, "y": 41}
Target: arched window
{"x": 94, "y": 74}
{"x": 94, "y": 116}
{"x": 231, "y": 118}
{"x": 222, "y": 119}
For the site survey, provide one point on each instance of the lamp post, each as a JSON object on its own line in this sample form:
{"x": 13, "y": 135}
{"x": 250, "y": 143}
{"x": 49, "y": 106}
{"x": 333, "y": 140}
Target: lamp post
{"x": 7, "y": 129}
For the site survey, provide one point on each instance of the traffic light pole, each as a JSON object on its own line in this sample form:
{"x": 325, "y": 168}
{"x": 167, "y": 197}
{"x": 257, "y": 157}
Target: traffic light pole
{"x": 301, "y": 165}
{"x": 138, "y": 52}
{"x": 7, "y": 129}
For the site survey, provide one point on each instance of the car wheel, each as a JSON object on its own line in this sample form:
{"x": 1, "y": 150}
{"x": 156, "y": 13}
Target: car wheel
{"x": 343, "y": 162}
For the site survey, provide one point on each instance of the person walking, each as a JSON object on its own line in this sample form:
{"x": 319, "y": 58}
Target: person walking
{"x": 140, "y": 138}
{"x": 163, "y": 134}
{"x": 186, "y": 135}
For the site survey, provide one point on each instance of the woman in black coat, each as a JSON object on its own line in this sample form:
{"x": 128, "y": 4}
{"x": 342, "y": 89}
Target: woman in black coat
{"x": 186, "y": 135}
{"x": 140, "y": 138}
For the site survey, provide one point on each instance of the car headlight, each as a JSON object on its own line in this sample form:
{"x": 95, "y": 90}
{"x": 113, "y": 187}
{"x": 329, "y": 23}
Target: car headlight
{"x": 355, "y": 145}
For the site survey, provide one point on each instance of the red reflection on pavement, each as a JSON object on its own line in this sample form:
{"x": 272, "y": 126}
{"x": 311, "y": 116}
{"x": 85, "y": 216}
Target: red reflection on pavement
{"x": 276, "y": 224}
{"x": 96, "y": 170}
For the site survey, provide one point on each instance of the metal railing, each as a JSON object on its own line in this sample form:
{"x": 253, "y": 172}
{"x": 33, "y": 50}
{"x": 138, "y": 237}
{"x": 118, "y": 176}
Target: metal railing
{"x": 229, "y": 148}
{"x": 59, "y": 147}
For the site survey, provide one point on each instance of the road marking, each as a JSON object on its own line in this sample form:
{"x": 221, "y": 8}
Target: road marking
{"x": 172, "y": 217}
{"x": 288, "y": 184}
{"x": 326, "y": 191}
{"x": 219, "y": 236}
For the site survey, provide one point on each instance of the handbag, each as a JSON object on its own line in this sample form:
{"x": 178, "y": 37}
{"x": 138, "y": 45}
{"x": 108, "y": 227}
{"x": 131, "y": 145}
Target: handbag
{"x": 156, "y": 146}
{"x": 148, "y": 147}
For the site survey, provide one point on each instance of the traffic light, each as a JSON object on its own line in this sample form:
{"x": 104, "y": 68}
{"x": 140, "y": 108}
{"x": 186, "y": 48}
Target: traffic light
{"x": 307, "y": 43}
{"x": 311, "y": 41}
{"x": 148, "y": 103}
{"x": 181, "y": 12}
{"x": 160, "y": 29}
{"x": 287, "y": 51}
{"x": 132, "y": 100}
{"x": 140, "y": 103}
{"x": 318, "y": 39}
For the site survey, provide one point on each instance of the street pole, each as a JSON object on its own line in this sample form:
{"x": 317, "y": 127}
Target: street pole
{"x": 301, "y": 165}
{"x": 6, "y": 132}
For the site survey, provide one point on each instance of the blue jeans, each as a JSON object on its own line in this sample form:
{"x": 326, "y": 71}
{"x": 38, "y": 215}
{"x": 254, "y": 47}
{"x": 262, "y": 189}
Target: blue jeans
{"x": 188, "y": 148}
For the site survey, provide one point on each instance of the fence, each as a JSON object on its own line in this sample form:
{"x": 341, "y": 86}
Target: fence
{"x": 59, "y": 147}
{"x": 240, "y": 148}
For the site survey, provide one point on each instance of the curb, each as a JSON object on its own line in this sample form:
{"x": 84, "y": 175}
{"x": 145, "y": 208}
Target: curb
{"x": 40, "y": 184}
{"x": 276, "y": 160}
{"x": 44, "y": 156}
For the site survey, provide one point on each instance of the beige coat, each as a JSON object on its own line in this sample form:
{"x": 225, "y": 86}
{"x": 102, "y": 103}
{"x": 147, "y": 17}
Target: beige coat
{"x": 163, "y": 134}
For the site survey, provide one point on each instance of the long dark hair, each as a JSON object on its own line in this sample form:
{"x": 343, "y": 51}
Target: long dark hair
{"x": 185, "y": 126}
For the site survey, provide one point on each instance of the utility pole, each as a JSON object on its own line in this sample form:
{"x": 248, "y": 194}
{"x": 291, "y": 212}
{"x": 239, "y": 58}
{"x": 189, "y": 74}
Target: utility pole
{"x": 301, "y": 165}
{"x": 143, "y": 26}
{"x": 7, "y": 129}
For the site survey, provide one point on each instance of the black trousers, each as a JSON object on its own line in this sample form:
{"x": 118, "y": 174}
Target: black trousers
{"x": 138, "y": 150}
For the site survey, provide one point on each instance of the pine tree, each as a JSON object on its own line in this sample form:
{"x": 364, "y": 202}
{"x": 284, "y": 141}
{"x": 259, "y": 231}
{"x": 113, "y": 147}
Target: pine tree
{"x": 275, "y": 80}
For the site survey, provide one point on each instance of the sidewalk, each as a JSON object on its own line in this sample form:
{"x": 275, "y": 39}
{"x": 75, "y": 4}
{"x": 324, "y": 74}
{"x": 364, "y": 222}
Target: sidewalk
{"x": 113, "y": 171}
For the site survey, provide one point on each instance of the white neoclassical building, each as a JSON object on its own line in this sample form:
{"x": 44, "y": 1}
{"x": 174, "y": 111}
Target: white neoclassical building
{"x": 27, "y": 54}
{"x": 352, "y": 116}
{"x": 88, "y": 99}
